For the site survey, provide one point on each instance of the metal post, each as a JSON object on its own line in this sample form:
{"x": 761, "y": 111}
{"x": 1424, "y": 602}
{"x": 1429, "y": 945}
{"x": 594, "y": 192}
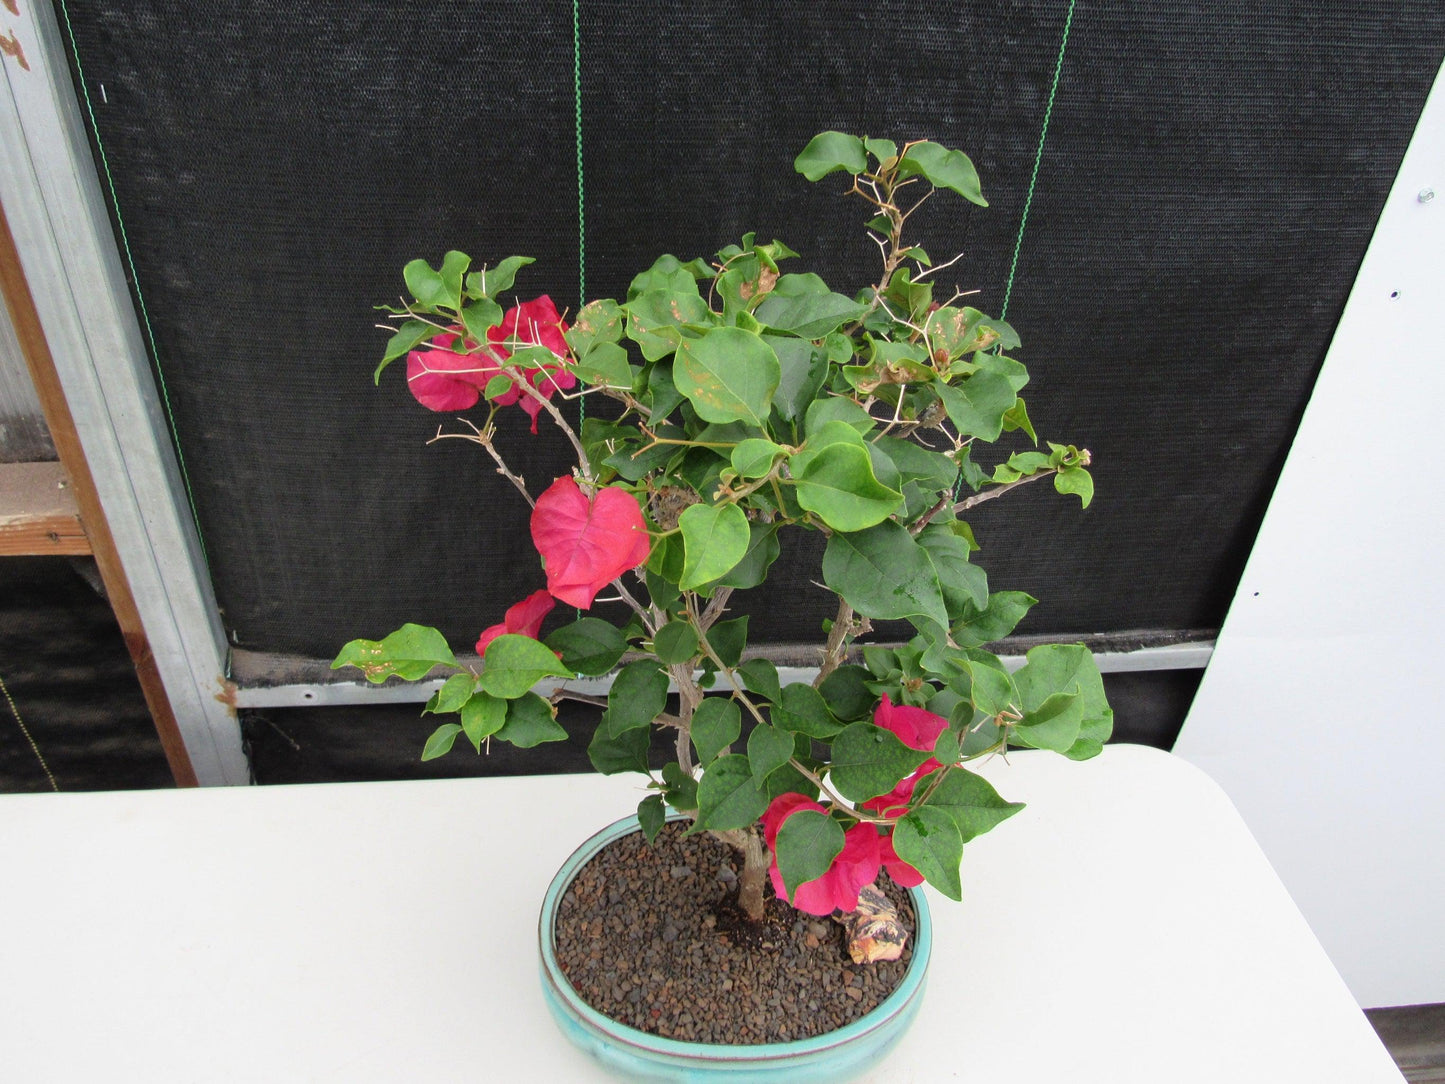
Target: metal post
{"x": 67, "y": 254}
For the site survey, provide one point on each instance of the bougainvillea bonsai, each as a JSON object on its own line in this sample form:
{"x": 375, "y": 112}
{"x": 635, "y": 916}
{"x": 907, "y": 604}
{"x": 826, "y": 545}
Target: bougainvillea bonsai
{"x": 755, "y": 404}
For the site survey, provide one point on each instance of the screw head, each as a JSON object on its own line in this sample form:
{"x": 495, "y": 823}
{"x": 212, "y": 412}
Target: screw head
{"x": 1426, "y": 195}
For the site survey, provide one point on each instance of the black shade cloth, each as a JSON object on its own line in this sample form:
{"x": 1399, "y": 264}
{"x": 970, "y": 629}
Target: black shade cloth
{"x": 1211, "y": 178}
{"x": 72, "y": 684}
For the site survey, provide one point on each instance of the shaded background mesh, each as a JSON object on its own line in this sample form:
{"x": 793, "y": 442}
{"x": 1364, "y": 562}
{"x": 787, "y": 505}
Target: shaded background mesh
{"x": 1206, "y": 193}
{"x": 1210, "y": 181}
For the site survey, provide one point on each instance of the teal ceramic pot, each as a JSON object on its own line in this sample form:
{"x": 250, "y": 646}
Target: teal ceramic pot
{"x": 833, "y": 1058}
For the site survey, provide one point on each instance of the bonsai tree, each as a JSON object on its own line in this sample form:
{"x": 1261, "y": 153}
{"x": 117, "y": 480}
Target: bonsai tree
{"x": 753, "y": 404}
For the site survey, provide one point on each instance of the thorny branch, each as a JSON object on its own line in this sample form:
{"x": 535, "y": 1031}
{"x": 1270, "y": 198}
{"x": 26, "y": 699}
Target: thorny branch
{"x": 484, "y": 438}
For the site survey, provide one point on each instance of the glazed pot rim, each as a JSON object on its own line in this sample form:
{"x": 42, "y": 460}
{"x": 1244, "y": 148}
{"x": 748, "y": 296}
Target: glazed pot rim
{"x": 619, "y": 1032}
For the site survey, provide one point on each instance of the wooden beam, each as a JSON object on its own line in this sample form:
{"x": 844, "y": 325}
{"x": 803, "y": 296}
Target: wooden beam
{"x": 38, "y": 513}
{"x": 36, "y": 351}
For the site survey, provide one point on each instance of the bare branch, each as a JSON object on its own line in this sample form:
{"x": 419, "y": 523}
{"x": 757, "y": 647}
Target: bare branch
{"x": 999, "y": 491}
{"x": 928, "y": 271}
{"x": 484, "y": 438}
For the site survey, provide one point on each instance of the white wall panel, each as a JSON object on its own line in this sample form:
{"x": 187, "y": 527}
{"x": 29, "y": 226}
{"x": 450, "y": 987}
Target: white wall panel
{"x": 1322, "y": 712}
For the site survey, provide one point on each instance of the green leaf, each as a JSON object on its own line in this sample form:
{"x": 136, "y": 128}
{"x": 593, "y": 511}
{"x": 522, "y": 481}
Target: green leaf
{"x": 638, "y": 696}
{"x": 651, "y": 816}
{"x": 666, "y": 558}
{"x": 760, "y": 677}
{"x": 945, "y": 749}
{"x": 803, "y": 369}
{"x": 597, "y": 322}
{"x": 530, "y": 722}
{"x": 847, "y": 694}
{"x": 929, "y": 841}
{"x": 768, "y": 750}
{"x": 965, "y": 585}
{"x": 670, "y": 274}
{"x": 482, "y": 716}
{"x": 627, "y": 753}
{"x": 809, "y": 316}
{"x": 401, "y": 342}
{"x": 762, "y": 551}
{"x": 716, "y": 724}
{"x": 869, "y": 761}
{"x": 1004, "y": 611}
{"x": 943, "y": 168}
{"x": 992, "y": 687}
{"x": 728, "y": 639}
{"x": 821, "y": 437}
{"x": 740, "y": 286}
{"x": 838, "y": 484}
{"x": 807, "y": 843}
{"x": 837, "y": 408}
{"x": 728, "y": 375}
{"x": 1015, "y": 372}
{"x": 489, "y": 282}
{"x": 497, "y": 387}
{"x": 970, "y": 801}
{"x": 788, "y": 780}
{"x": 727, "y": 797}
{"x": 953, "y": 330}
{"x": 632, "y": 462}
{"x": 1054, "y": 724}
{"x": 972, "y": 473}
{"x": 1062, "y": 668}
{"x": 933, "y": 471}
{"x": 828, "y": 152}
{"x": 662, "y": 591}
{"x": 675, "y": 642}
{"x": 455, "y": 692}
{"x": 715, "y": 538}
{"x": 1021, "y": 464}
{"x": 589, "y": 646}
{"x": 515, "y": 663}
{"x": 977, "y": 406}
{"x": 440, "y": 742}
{"x": 881, "y": 149}
{"x": 802, "y": 710}
{"x": 410, "y": 653}
{"x": 680, "y": 789}
{"x": 655, "y": 320}
{"x": 433, "y": 288}
{"x": 662, "y": 394}
{"x": 753, "y": 458}
{"x": 606, "y": 366}
{"x": 882, "y": 662}
{"x": 1075, "y": 480}
{"x": 480, "y": 317}
{"x": 884, "y": 573}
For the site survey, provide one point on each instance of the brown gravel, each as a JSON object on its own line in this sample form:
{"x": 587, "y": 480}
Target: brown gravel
{"x": 649, "y": 936}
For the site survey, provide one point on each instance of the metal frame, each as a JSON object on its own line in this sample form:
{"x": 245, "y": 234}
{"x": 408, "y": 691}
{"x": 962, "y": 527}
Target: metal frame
{"x": 303, "y": 689}
{"x": 67, "y": 252}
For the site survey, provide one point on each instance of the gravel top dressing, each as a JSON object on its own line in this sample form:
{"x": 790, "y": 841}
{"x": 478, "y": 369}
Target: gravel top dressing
{"x": 650, "y": 936}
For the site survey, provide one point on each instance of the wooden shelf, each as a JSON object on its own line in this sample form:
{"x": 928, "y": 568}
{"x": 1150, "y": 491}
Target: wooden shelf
{"x": 38, "y": 513}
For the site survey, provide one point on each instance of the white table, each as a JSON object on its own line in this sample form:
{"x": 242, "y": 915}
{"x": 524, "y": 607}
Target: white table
{"x": 1123, "y": 928}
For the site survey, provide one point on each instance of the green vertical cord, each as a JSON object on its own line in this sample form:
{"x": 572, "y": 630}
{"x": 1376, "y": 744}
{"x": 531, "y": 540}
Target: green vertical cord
{"x": 581, "y": 207}
{"x": 135, "y": 280}
{"x": 581, "y": 203}
{"x": 1038, "y": 157}
{"x": 1033, "y": 180}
